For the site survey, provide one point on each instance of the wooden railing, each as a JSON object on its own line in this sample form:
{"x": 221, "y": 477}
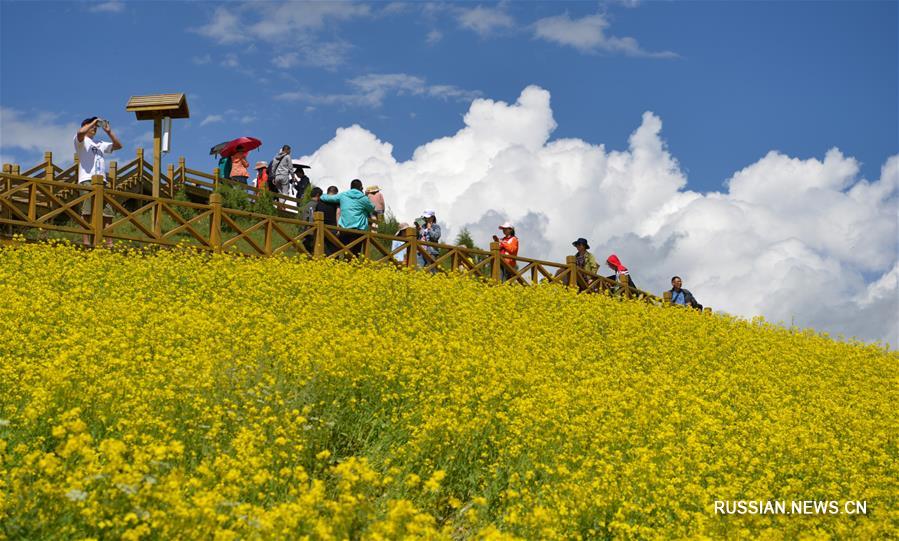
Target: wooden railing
{"x": 164, "y": 221}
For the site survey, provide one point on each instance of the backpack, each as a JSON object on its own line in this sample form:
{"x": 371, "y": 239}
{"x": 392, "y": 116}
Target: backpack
{"x": 225, "y": 167}
{"x": 271, "y": 168}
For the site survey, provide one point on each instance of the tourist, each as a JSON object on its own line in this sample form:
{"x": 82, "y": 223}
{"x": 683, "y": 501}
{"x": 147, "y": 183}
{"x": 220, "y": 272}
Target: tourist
{"x": 508, "y": 246}
{"x": 282, "y": 167}
{"x": 377, "y": 199}
{"x": 429, "y": 232}
{"x": 620, "y": 270}
{"x": 261, "y": 176}
{"x": 92, "y": 161}
{"x": 239, "y": 166}
{"x": 355, "y": 209}
{"x": 682, "y": 297}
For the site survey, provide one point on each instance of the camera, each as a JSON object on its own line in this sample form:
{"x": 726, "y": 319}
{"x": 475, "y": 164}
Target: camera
{"x": 103, "y": 124}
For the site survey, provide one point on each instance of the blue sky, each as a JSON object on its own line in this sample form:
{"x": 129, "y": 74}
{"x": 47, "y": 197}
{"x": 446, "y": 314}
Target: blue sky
{"x": 743, "y": 77}
{"x": 750, "y": 147}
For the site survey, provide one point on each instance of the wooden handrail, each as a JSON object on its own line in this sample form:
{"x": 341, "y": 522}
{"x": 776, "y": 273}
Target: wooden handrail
{"x": 45, "y": 203}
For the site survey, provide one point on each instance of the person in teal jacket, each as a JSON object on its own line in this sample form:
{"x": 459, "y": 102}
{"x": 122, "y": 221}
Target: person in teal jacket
{"x": 355, "y": 208}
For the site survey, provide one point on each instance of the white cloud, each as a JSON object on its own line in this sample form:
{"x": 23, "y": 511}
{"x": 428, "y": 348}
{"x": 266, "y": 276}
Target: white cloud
{"x": 35, "y": 133}
{"x": 434, "y": 36}
{"x": 370, "y": 91}
{"x": 294, "y": 30}
{"x": 287, "y": 60}
{"x": 484, "y": 21}
{"x": 588, "y": 34}
{"x": 247, "y": 119}
{"x": 113, "y": 6}
{"x": 202, "y": 60}
{"x": 231, "y": 61}
{"x": 791, "y": 239}
{"x": 212, "y": 119}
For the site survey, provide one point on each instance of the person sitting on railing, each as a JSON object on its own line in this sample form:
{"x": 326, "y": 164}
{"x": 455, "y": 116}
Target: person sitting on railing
{"x": 92, "y": 161}
{"x": 681, "y": 296}
{"x": 355, "y": 209}
{"x": 429, "y": 232}
{"x": 261, "y": 176}
{"x": 507, "y": 246}
{"x": 620, "y": 270}
{"x": 239, "y": 166}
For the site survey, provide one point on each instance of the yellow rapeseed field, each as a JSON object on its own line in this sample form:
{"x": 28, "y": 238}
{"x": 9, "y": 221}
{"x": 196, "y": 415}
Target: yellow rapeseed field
{"x": 179, "y": 396}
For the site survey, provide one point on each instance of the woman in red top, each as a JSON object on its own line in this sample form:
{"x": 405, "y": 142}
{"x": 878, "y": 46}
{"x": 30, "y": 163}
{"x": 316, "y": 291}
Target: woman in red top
{"x": 261, "y": 175}
{"x": 507, "y": 246}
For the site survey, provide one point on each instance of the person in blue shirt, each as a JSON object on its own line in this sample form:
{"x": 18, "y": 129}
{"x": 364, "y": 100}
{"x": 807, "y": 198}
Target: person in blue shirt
{"x": 355, "y": 208}
{"x": 682, "y": 296}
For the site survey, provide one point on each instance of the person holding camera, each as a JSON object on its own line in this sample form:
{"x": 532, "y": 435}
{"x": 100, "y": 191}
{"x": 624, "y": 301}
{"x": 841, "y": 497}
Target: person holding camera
{"x": 92, "y": 161}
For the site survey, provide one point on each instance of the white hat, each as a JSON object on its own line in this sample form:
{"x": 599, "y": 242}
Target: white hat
{"x": 506, "y": 225}
{"x": 428, "y": 213}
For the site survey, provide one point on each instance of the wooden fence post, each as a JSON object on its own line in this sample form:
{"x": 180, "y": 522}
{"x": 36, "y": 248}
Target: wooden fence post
{"x": 666, "y": 298}
{"x": 625, "y": 282}
{"x": 171, "y": 173}
{"x": 32, "y": 198}
{"x": 215, "y": 179}
{"x": 113, "y": 175}
{"x": 571, "y": 261}
{"x": 495, "y": 271}
{"x": 318, "y": 223}
{"x": 140, "y": 165}
{"x": 75, "y": 170}
{"x": 215, "y": 226}
{"x": 412, "y": 249}
{"x": 182, "y": 168}
{"x": 97, "y": 213}
{"x": 48, "y": 172}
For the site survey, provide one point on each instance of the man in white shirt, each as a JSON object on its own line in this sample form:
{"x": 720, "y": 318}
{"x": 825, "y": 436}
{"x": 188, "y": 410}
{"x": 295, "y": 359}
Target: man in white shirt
{"x": 92, "y": 161}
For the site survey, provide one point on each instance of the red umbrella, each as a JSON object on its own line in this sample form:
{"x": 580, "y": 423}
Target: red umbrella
{"x": 248, "y": 144}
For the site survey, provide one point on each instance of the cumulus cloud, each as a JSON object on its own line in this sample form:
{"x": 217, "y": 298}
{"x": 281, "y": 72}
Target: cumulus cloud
{"x": 588, "y": 34}
{"x": 370, "y": 91}
{"x": 802, "y": 241}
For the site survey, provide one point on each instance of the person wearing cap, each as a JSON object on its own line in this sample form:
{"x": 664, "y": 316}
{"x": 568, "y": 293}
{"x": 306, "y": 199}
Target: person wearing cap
{"x": 261, "y": 175}
{"x": 92, "y": 161}
{"x": 507, "y": 246}
{"x": 355, "y": 209}
{"x": 620, "y": 270}
{"x": 377, "y": 199}
{"x": 429, "y": 232}
{"x": 239, "y": 166}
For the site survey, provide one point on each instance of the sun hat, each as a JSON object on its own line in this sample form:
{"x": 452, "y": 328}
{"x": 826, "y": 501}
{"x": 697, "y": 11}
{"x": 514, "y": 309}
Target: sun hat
{"x": 260, "y": 165}
{"x": 583, "y": 241}
{"x": 373, "y": 189}
{"x": 400, "y": 229}
{"x": 428, "y": 214}
{"x": 506, "y": 225}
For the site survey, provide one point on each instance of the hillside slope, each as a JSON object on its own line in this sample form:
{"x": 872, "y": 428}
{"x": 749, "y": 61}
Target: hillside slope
{"x": 182, "y": 396}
